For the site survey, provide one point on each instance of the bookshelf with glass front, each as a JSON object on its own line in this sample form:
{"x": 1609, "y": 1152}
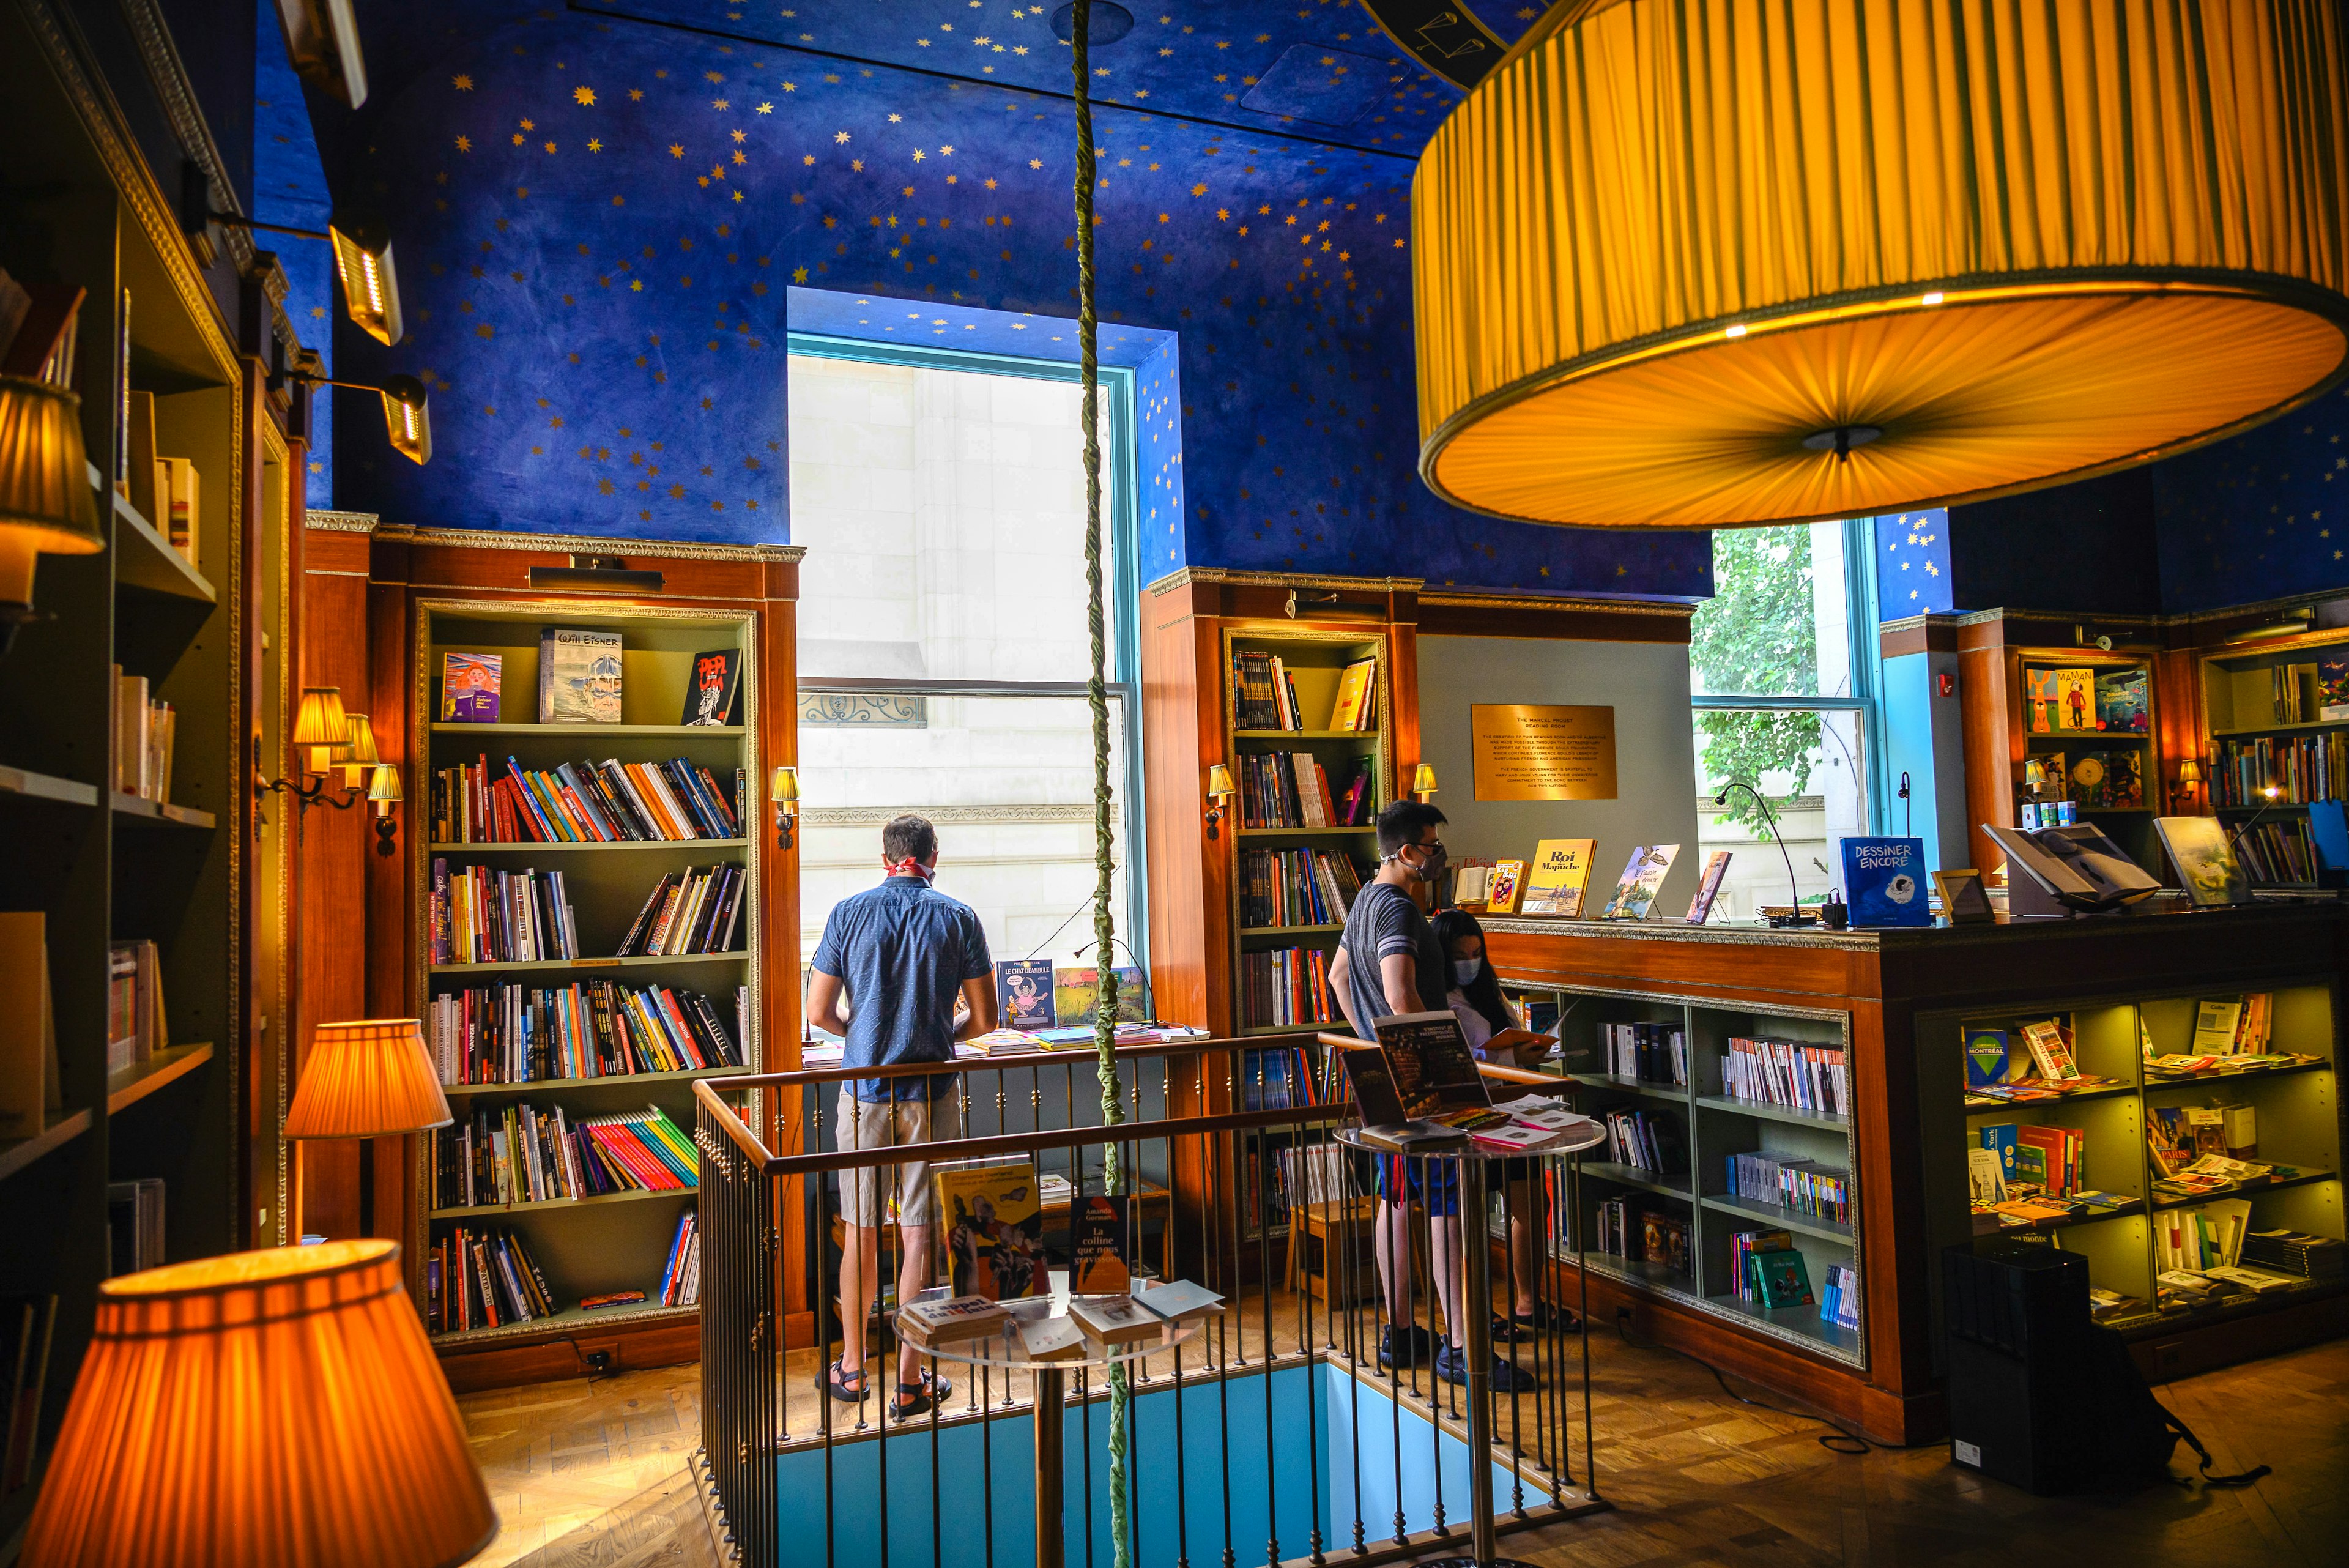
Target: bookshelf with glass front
{"x": 2277, "y": 712}
{"x": 2200, "y": 1120}
{"x": 528, "y": 1035}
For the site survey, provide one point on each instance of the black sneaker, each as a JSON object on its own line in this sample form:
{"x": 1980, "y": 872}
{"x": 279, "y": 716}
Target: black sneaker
{"x": 1414, "y": 1340}
{"x": 1507, "y": 1376}
{"x": 1546, "y": 1317}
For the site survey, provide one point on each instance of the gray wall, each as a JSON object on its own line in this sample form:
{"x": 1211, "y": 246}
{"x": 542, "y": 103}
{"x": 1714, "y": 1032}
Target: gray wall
{"x": 1655, "y": 756}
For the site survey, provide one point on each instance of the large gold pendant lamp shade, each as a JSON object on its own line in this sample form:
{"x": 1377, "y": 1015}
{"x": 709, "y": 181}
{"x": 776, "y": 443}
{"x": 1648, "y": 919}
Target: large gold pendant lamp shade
{"x": 1705, "y": 262}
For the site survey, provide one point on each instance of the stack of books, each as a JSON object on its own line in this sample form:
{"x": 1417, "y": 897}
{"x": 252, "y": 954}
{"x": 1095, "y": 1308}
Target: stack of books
{"x": 2297, "y": 1253}
{"x": 1745, "y": 1246}
{"x": 643, "y": 1150}
{"x": 1840, "y": 1304}
{"x": 588, "y": 1029}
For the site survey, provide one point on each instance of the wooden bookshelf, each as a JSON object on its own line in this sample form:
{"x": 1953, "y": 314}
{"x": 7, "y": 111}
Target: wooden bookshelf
{"x": 590, "y": 1245}
{"x": 2259, "y": 734}
{"x": 81, "y": 208}
{"x": 2067, "y": 753}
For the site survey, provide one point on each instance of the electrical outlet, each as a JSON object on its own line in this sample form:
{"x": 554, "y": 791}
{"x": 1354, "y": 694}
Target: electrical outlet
{"x": 599, "y": 1362}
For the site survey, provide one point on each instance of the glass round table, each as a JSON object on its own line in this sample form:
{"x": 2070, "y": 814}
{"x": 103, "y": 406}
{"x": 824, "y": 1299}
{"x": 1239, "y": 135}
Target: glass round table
{"x": 1475, "y": 1241}
{"x": 1007, "y": 1350}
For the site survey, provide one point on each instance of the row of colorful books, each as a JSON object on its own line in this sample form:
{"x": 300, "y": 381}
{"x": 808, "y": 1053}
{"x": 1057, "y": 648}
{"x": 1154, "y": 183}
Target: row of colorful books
{"x": 1290, "y": 789}
{"x": 1264, "y": 695}
{"x": 517, "y": 1154}
{"x": 482, "y": 1279}
{"x": 1795, "y": 1074}
{"x": 680, "y": 1280}
{"x": 1553, "y": 883}
{"x": 1297, "y": 886}
{"x": 1285, "y": 986}
{"x": 1800, "y": 1186}
{"x": 2303, "y": 768}
{"x": 2035, "y": 1158}
{"x": 2279, "y": 853}
{"x": 481, "y": 915}
{"x": 589, "y": 1029}
{"x": 1276, "y": 1078}
{"x": 609, "y": 802}
{"x": 689, "y": 911}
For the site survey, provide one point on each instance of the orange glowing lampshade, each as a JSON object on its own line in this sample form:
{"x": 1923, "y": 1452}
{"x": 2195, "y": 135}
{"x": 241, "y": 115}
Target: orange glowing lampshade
{"x": 276, "y": 1407}
{"x": 367, "y": 1078}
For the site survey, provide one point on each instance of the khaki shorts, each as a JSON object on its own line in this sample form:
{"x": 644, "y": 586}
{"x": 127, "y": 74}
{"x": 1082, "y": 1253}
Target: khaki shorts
{"x": 884, "y": 1124}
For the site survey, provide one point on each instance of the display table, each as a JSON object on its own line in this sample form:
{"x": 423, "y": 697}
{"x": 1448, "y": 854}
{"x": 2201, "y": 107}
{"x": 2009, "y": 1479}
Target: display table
{"x": 1898, "y": 1003}
{"x": 1477, "y": 1243}
{"x": 1007, "y": 1352}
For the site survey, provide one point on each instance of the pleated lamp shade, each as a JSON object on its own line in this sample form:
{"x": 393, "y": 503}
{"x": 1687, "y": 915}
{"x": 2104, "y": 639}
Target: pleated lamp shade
{"x": 278, "y": 1406}
{"x": 1708, "y": 263}
{"x": 370, "y": 1078}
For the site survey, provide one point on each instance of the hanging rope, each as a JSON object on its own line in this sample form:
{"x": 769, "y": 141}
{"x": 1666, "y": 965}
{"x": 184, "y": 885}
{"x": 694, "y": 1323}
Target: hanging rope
{"x": 1121, "y": 1394}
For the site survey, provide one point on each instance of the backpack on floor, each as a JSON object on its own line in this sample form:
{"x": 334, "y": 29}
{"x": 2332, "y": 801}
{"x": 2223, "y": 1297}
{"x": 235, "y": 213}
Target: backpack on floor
{"x": 2133, "y": 1433}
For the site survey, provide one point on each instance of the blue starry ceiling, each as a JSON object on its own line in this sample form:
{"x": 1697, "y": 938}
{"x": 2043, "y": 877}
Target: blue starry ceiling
{"x": 2263, "y": 515}
{"x": 598, "y": 220}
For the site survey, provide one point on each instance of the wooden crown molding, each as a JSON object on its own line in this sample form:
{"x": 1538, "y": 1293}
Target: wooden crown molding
{"x": 1183, "y": 576}
{"x": 328, "y": 522}
{"x": 579, "y": 544}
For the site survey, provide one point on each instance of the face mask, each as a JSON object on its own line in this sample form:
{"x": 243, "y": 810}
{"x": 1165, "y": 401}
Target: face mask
{"x": 1464, "y": 970}
{"x": 1433, "y": 866}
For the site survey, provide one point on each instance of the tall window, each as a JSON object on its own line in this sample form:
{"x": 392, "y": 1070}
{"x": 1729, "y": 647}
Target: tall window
{"x": 943, "y": 637}
{"x": 1782, "y": 662}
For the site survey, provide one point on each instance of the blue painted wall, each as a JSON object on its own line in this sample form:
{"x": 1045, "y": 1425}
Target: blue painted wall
{"x": 289, "y": 188}
{"x": 1913, "y": 575}
{"x": 598, "y": 218}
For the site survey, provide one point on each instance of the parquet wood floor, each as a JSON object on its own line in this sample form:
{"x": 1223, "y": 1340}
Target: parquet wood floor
{"x": 593, "y": 1474}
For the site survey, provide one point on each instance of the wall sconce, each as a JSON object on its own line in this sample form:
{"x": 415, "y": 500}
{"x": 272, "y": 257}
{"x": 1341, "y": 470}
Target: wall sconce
{"x": 1220, "y": 795}
{"x": 360, "y": 242}
{"x": 322, "y": 39}
{"x": 1422, "y": 782}
{"x": 383, "y": 793}
{"x": 356, "y": 755}
{"x": 323, "y": 732}
{"x": 47, "y": 505}
{"x": 2189, "y": 777}
{"x": 784, "y": 791}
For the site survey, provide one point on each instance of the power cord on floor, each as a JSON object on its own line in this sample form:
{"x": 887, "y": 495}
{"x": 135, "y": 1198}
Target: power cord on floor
{"x": 1833, "y": 1439}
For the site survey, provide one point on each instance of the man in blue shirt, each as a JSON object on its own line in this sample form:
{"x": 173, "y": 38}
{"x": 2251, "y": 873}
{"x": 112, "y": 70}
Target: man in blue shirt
{"x": 904, "y": 954}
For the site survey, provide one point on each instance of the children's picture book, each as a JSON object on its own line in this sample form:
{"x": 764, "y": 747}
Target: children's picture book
{"x": 1884, "y": 881}
{"x": 1501, "y": 893}
{"x": 469, "y": 688}
{"x": 709, "y": 695}
{"x": 1644, "y": 876}
{"x": 2120, "y": 700}
{"x": 994, "y": 1228}
{"x": 1708, "y": 887}
{"x": 2205, "y": 860}
{"x": 1097, "y": 1246}
{"x": 1964, "y": 900}
{"x": 578, "y": 676}
{"x": 2108, "y": 781}
{"x": 1024, "y": 993}
{"x": 1559, "y": 872}
{"x": 1782, "y": 1279}
{"x": 2332, "y": 686}
{"x": 1433, "y": 1071}
{"x": 1985, "y": 1058}
{"x": 1076, "y": 995}
{"x": 2075, "y": 700}
{"x": 2039, "y": 700}
{"x": 2050, "y": 1051}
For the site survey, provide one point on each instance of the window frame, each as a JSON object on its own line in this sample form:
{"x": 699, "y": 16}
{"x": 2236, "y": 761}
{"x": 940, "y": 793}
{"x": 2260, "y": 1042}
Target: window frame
{"x": 1865, "y": 657}
{"x": 1121, "y": 588}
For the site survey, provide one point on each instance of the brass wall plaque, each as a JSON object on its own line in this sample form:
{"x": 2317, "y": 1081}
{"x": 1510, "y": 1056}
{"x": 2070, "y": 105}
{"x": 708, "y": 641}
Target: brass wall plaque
{"x": 1528, "y": 753}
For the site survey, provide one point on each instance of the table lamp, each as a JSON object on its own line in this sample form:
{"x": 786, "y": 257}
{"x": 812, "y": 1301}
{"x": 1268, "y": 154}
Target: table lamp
{"x": 278, "y": 1406}
{"x": 366, "y": 1079}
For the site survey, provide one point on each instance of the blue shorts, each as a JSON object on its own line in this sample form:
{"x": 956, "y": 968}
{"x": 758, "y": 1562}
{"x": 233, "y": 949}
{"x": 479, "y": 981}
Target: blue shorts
{"x": 1433, "y": 1183}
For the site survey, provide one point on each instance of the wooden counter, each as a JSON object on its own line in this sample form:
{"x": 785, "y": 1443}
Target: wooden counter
{"x": 1899, "y": 995}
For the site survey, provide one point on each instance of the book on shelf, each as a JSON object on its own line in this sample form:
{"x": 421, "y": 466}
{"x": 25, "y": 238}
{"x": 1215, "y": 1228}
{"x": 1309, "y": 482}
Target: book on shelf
{"x": 478, "y": 914}
{"x": 1097, "y": 1245}
{"x": 1986, "y": 1058}
{"x": 1076, "y": 996}
{"x": 609, "y": 802}
{"x": 1651, "y": 1053}
{"x": 1501, "y": 893}
{"x": 30, "y": 1085}
{"x": 27, "y": 1329}
{"x": 1646, "y": 1141}
{"x": 1745, "y": 1246}
{"x": 469, "y": 687}
{"x": 134, "y": 1225}
{"x": 1356, "y": 708}
{"x": 2299, "y": 768}
{"x": 136, "y": 1023}
{"x": 2297, "y": 1253}
{"x": 2208, "y": 1236}
{"x": 1297, "y": 886}
{"x": 611, "y": 1299}
{"x": 515, "y": 1033}
{"x": 1643, "y": 877}
{"x": 1615, "y": 1230}
{"x": 2217, "y": 1021}
{"x": 1664, "y": 1239}
{"x": 1023, "y": 992}
{"x": 1285, "y": 986}
{"x": 1783, "y": 1278}
{"x": 2107, "y": 780}
{"x": 1985, "y": 1178}
{"x": 1799, "y": 1186}
{"x": 145, "y": 736}
{"x": 711, "y": 692}
{"x": 477, "y": 1278}
{"x": 680, "y": 1280}
{"x": 2280, "y": 854}
{"x": 45, "y": 330}
{"x": 992, "y": 1219}
{"x": 183, "y": 523}
{"x": 691, "y": 911}
{"x": 579, "y": 676}
{"x": 520, "y": 1154}
{"x": 2051, "y": 1049}
{"x": 1286, "y": 789}
{"x": 1794, "y": 1074}
{"x": 1276, "y": 1078}
{"x": 1839, "y": 1296}
{"x": 1558, "y": 877}
{"x": 2121, "y": 700}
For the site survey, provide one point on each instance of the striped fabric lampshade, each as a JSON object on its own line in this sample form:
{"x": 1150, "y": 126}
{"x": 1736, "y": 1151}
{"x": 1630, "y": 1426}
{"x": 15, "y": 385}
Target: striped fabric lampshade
{"x": 367, "y": 1078}
{"x": 278, "y": 1406}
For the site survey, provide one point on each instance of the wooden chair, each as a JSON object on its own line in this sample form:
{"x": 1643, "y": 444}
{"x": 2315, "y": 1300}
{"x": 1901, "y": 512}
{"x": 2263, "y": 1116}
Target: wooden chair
{"x": 1323, "y": 1201}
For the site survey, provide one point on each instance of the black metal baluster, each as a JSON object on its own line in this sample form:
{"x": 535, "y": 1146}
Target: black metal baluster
{"x": 985, "y": 1379}
{"x": 1085, "y": 1434}
{"x": 1437, "y": 1269}
{"x": 1182, "y": 1462}
{"x": 1308, "y": 1162}
{"x": 1510, "y": 1219}
{"x": 1397, "y": 1170}
{"x": 1582, "y": 1267}
{"x": 1265, "y": 1167}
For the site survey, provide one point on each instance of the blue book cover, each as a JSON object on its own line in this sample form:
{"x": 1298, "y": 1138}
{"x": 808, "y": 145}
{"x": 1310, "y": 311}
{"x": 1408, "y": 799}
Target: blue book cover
{"x": 1985, "y": 1058}
{"x": 1884, "y": 881}
{"x": 2002, "y": 1138}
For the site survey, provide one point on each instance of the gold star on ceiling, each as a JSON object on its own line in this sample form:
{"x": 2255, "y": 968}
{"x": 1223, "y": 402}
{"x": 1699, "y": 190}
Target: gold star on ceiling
{"x": 766, "y": 108}
{"x": 840, "y": 138}
{"x": 740, "y": 136}
{"x": 464, "y": 144}
{"x": 526, "y": 124}
{"x": 583, "y": 96}
{"x": 593, "y": 145}
{"x": 676, "y": 150}
{"x": 636, "y": 95}
{"x": 463, "y": 84}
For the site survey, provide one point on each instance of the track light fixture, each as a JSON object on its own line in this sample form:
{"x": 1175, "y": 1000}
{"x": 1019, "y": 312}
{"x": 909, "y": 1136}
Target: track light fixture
{"x": 322, "y": 39}
{"x": 361, "y": 242}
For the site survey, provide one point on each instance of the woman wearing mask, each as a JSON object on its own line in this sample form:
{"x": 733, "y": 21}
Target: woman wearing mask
{"x": 1474, "y": 997}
